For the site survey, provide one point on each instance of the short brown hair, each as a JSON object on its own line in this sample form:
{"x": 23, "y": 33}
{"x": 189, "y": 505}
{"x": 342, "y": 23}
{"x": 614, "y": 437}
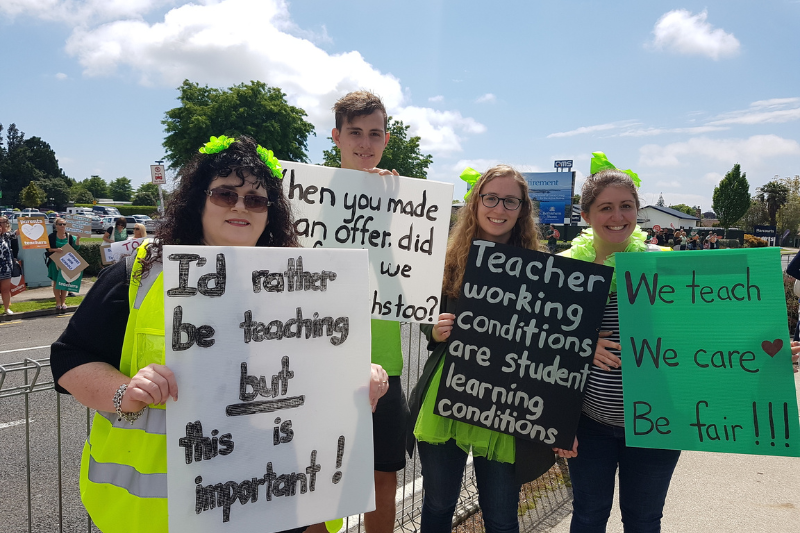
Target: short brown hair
{"x": 358, "y": 104}
{"x": 596, "y": 183}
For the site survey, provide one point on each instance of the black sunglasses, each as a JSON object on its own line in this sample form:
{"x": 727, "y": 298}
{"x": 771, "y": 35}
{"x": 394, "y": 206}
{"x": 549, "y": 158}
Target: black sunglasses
{"x": 227, "y": 198}
{"x": 61, "y": 223}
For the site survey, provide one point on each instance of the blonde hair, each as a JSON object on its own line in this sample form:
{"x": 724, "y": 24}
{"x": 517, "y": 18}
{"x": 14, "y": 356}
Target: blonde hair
{"x": 140, "y": 227}
{"x": 525, "y": 234}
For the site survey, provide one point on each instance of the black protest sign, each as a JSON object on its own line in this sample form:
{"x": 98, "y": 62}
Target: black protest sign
{"x": 523, "y": 342}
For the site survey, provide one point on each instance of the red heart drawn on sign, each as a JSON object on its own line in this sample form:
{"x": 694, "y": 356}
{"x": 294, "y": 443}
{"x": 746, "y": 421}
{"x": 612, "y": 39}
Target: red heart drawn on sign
{"x": 771, "y": 348}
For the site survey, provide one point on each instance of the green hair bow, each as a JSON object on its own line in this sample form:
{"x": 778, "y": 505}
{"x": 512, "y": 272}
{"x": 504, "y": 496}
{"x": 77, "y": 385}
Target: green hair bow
{"x": 601, "y": 162}
{"x": 471, "y": 176}
{"x": 217, "y": 144}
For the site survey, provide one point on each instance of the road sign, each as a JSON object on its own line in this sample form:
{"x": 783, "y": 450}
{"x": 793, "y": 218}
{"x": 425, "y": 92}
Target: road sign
{"x": 157, "y": 174}
{"x": 564, "y": 163}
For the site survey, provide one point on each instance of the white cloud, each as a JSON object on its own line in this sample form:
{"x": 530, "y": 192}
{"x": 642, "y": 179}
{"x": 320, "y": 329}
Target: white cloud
{"x": 675, "y": 184}
{"x": 752, "y": 149}
{"x": 591, "y": 129}
{"x": 684, "y": 33}
{"x": 650, "y": 132}
{"x": 223, "y": 42}
{"x": 61, "y": 76}
{"x": 775, "y": 110}
{"x": 437, "y": 98}
{"x": 80, "y": 12}
{"x": 487, "y": 98}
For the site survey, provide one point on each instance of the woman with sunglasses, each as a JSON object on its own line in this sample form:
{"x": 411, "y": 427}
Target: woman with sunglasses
{"x": 8, "y": 245}
{"x": 57, "y": 240}
{"x": 230, "y": 194}
{"x": 117, "y": 232}
{"x": 497, "y": 210}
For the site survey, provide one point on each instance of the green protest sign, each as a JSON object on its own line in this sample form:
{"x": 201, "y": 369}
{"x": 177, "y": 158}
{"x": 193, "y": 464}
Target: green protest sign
{"x": 706, "y": 354}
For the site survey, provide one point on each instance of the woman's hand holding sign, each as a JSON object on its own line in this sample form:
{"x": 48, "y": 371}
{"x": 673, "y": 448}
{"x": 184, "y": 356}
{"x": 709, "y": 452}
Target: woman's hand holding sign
{"x": 602, "y": 356}
{"x": 378, "y": 385}
{"x": 153, "y": 384}
{"x": 442, "y": 329}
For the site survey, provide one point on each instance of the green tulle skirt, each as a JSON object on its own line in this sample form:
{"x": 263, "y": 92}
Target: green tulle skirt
{"x": 435, "y": 429}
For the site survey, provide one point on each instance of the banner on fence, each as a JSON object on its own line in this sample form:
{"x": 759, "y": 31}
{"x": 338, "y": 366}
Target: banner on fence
{"x": 79, "y": 225}
{"x": 33, "y": 233}
{"x": 403, "y": 222}
{"x": 523, "y": 342}
{"x": 271, "y": 352}
{"x": 725, "y": 384}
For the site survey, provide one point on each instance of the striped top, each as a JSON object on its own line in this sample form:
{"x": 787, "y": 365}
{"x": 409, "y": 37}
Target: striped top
{"x": 603, "y": 399}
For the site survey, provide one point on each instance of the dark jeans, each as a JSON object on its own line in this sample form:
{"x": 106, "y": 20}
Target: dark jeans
{"x": 644, "y": 476}
{"x": 442, "y": 470}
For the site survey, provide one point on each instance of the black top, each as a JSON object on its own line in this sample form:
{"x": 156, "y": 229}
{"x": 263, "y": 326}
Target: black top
{"x": 97, "y": 329}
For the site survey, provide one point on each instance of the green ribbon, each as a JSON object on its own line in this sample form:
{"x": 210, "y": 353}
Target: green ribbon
{"x": 471, "y": 176}
{"x": 218, "y": 144}
{"x": 600, "y": 162}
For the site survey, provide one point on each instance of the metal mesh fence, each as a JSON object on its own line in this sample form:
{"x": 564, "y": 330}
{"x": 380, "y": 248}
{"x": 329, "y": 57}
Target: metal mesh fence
{"x": 43, "y": 435}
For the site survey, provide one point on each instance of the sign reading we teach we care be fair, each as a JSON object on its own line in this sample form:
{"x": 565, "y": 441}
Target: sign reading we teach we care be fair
{"x": 705, "y": 352}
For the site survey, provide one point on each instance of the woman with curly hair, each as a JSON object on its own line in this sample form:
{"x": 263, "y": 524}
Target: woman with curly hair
{"x": 111, "y": 355}
{"x": 498, "y": 210}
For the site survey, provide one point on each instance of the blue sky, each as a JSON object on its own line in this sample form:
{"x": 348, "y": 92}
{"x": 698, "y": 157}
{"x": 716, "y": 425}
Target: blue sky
{"x": 678, "y": 92}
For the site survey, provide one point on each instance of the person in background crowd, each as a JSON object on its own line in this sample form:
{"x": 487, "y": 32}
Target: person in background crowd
{"x": 139, "y": 231}
{"x": 118, "y": 232}
{"x": 56, "y": 241}
{"x": 712, "y": 241}
{"x": 552, "y": 239}
{"x": 499, "y": 210}
{"x": 8, "y": 249}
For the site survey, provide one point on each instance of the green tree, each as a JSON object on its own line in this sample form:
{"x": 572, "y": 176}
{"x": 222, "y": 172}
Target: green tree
{"x": 97, "y": 186}
{"x": 56, "y": 191}
{"x": 660, "y": 202}
{"x": 756, "y": 215}
{"x": 401, "y": 154}
{"x": 576, "y": 199}
{"x": 80, "y": 195}
{"x": 120, "y": 189}
{"x": 731, "y": 197}
{"x": 253, "y": 109}
{"x": 773, "y": 195}
{"x": 150, "y": 187}
{"x": 144, "y": 198}
{"x": 25, "y": 160}
{"x": 683, "y": 208}
{"x": 32, "y": 196}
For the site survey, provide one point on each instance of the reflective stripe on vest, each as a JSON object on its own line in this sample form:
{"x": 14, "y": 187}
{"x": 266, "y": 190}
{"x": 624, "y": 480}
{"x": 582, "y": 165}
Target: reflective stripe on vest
{"x": 126, "y": 477}
{"x": 152, "y": 421}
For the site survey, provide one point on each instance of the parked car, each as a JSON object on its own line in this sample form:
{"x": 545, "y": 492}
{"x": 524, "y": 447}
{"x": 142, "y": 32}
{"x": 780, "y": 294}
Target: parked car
{"x": 103, "y": 210}
{"x": 97, "y": 224}
{"x": 149, "y": 223}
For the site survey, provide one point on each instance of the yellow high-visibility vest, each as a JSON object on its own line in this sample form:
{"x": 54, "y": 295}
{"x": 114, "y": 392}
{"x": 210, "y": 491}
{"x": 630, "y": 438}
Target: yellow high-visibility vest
{"x": 124, "y": 466}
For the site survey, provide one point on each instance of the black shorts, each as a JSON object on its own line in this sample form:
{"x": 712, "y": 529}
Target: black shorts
{"x": 389, "y": 428}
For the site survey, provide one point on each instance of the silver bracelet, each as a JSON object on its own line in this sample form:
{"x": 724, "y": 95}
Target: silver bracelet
{"x": 130, "y": 417}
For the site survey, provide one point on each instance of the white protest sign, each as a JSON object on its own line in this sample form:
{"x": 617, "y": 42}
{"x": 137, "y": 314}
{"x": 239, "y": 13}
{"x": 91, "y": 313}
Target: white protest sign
{"x": 121, "y": 249}
{"x": 403, "y": 222}
{"x": 79, "y": 225}
{"x": 270, "y": 348}
{"x": 69, "y": 261}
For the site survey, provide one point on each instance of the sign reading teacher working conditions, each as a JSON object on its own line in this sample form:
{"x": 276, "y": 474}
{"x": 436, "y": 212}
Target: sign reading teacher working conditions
{"x": 522, "y": 346}
{"x": 730, "y": 386}
{"x": 271, "y": 352}
{"x": 403, "y": 222}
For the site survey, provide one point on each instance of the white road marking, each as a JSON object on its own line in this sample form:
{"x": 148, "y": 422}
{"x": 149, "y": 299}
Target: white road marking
{"x": 14, "y": 423}
{"x": 25, "y": 349}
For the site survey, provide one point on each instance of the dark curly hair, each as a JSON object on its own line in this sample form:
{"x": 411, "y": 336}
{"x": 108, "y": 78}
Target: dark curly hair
{"x": 183, "y": 215}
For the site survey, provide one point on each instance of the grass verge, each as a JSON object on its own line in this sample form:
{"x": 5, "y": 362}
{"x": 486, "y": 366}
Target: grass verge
{"x": 37, "y": 305}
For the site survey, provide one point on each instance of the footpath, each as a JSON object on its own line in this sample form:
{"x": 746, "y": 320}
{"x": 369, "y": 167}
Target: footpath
{"x": 43, "y": 294}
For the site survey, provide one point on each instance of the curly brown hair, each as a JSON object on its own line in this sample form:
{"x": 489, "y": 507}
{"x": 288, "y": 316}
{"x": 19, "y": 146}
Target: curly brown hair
{"x": 525, "y": 233}
{"x": 183, "y": 215}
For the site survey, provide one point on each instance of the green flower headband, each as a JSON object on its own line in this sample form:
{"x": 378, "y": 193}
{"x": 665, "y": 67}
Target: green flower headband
{"x": 601, "y": 162}
{"x": 218, "y": 144}
{"x": 471, "y": 176}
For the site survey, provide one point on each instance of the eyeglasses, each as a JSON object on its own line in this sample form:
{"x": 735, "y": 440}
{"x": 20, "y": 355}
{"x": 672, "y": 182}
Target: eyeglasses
{"x": 227, "y": 198}
{"x": 491, "y": 200}
{"x": 61, "y": 224}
